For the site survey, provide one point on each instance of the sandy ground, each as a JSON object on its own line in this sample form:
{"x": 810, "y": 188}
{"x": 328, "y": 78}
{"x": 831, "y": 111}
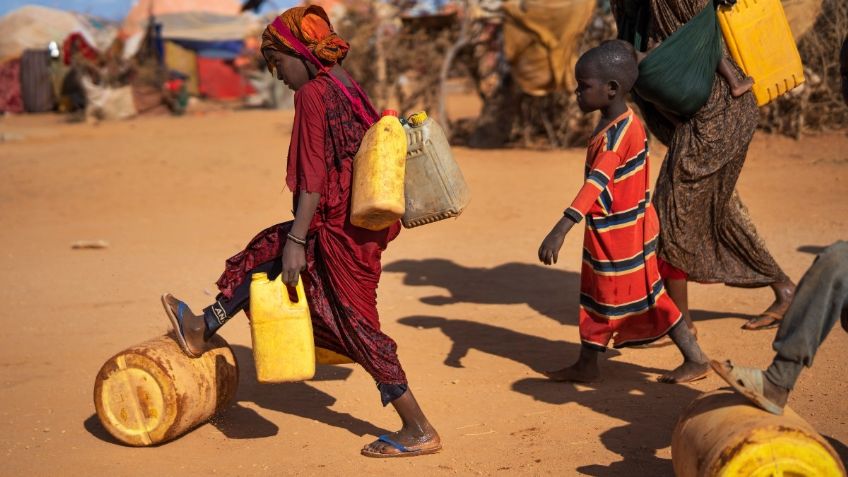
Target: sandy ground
{"x": 474, "y": 313}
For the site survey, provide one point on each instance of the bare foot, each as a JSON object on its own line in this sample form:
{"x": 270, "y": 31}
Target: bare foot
{"x": 576, "y": 373}
{"x": 742, "y": 87}
{"x": 585, "y": 370}
{"x": 685, "y": 373}
{"x": 784, "y": 292}
{"x": 193, "y": 326}
{"x": 418, "y": 442}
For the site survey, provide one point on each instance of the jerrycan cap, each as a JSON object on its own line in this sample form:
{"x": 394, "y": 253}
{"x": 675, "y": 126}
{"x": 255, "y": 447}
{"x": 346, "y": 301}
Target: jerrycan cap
{"x": 417, "y": 119}
{"x": 389, "y": 112}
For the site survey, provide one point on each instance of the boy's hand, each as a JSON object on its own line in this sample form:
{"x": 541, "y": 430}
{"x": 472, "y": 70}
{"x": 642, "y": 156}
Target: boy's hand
{"x": 549, "y": 250}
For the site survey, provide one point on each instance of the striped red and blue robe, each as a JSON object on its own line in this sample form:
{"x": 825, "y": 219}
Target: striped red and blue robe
{"x": 622, "y": 297}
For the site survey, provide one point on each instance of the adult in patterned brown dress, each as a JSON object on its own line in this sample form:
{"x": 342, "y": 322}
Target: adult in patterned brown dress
{"x": 706, "y": 234}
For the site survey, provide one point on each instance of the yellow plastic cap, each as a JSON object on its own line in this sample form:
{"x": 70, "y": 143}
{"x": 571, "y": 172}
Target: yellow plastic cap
{"x": 417, "y": 119}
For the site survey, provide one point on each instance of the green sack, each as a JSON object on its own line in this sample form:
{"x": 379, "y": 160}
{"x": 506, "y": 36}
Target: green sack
{"x": 677, "y": 76}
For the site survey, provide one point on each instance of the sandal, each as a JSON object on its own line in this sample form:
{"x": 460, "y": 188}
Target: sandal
{"x": 403, "y": 451}
{"x": 747, "y": 382}
{"x": 177, "y": 323}
{"x": 772, "y": 317}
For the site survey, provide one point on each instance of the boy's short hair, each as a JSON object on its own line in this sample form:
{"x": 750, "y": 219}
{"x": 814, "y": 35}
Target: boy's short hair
{"x": 614, "y": 60}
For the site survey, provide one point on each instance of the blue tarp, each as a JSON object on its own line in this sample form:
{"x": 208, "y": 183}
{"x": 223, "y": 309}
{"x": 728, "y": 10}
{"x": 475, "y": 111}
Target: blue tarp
{"x": 227, "y": 49}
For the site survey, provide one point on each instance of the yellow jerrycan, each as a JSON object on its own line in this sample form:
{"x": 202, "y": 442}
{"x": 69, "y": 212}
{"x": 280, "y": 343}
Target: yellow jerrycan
{"x": 283, "y": 343}
{"x": 152, "y": 392}
{"x": 721, "y": 434}
{"x": 759, "y": 39}
{"x": 378, "y": 175}
{"x": 434, "y": 185}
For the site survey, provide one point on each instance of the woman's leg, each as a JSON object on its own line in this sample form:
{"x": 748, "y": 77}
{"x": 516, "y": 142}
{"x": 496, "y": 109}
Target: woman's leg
{"x": 197, "y": 329}
{"x": 695, "y": 364}
{"x": 677, "y": 284}
{"x": 416, "y": 433}
{"x": 784, "y": 291}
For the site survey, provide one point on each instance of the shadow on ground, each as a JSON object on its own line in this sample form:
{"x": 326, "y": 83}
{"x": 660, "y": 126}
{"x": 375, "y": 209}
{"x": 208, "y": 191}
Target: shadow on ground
{"x": 707, "y": 315}
{"x": 628, "y": 392}
{"x": 840, "y": 448}
{"x": 298, "y": 398}
{"x": 812, "y": 249}
{"x": 550, "y": 291}
{"x": 96, "y": 429}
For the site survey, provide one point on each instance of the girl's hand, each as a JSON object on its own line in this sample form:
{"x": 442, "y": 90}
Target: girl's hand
{"x": 294, "y": 262}
{"x": 549, "y": 250}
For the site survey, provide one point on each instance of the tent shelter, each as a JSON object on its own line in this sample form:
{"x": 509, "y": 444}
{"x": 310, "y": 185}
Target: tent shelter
{"x": 137, "y": 17}
{"x": 34, "y": 27}
{"x": 201, "y": 38}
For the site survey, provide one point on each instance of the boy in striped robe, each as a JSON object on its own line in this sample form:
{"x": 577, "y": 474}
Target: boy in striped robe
{"x": 622, "y": 298}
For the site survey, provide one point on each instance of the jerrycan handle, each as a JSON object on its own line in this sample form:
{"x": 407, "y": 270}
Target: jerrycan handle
{"x": 284, "y": 291}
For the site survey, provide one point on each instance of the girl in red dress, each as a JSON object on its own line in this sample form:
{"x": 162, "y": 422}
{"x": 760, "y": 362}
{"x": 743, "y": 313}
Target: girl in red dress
{"x": 338, "y": 262}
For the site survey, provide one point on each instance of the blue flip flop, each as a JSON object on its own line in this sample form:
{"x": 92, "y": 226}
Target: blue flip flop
{"x": 403, "y": 451}
{"x": 177, "y": 323}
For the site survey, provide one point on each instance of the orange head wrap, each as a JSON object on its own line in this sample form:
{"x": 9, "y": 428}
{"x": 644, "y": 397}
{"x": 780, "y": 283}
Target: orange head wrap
{"x": 311, "y": 26}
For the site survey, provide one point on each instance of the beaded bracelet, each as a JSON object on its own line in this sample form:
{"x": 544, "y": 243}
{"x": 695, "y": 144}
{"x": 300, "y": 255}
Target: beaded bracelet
{"x": 296, "y": 240}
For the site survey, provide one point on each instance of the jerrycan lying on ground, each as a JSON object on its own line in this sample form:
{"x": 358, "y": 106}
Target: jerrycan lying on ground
{"x": 759, "y": 39}
{"x": 378, "y": 175}
{"x": 721, "y": 434}
{"x": 152, "y": 392}
{"x": 283, "y": 344}
{"x": 434, "y": 186}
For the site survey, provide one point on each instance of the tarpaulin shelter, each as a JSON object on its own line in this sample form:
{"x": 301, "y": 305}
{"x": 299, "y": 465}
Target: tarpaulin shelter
{"x": 183, "y": 61}
{"x": 27, "y": 83}
{"x": 218, "y": 80}
{"x": 76, "y": 42}
{"x": 138, "y": 16}
{"x": 540, "y": 42}
{"x": 34, "y": 27}
{"x": 214, "y": 40}
{"x": 208, "y": 34}
{"x": 201, "y": 37}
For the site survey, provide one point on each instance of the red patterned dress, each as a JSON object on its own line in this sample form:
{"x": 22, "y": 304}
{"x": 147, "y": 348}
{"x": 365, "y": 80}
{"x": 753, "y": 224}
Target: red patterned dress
{"x": 622, "y": 297}
{"x": 343, "y": 261}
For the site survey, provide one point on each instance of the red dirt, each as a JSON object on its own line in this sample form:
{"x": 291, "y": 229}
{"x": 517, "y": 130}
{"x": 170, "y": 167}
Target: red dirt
{"x": 474, "y": 314}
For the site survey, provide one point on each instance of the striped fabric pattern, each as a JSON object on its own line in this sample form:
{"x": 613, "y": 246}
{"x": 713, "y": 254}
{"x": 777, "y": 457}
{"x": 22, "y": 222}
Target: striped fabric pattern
{"x": 622, "y": 297}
